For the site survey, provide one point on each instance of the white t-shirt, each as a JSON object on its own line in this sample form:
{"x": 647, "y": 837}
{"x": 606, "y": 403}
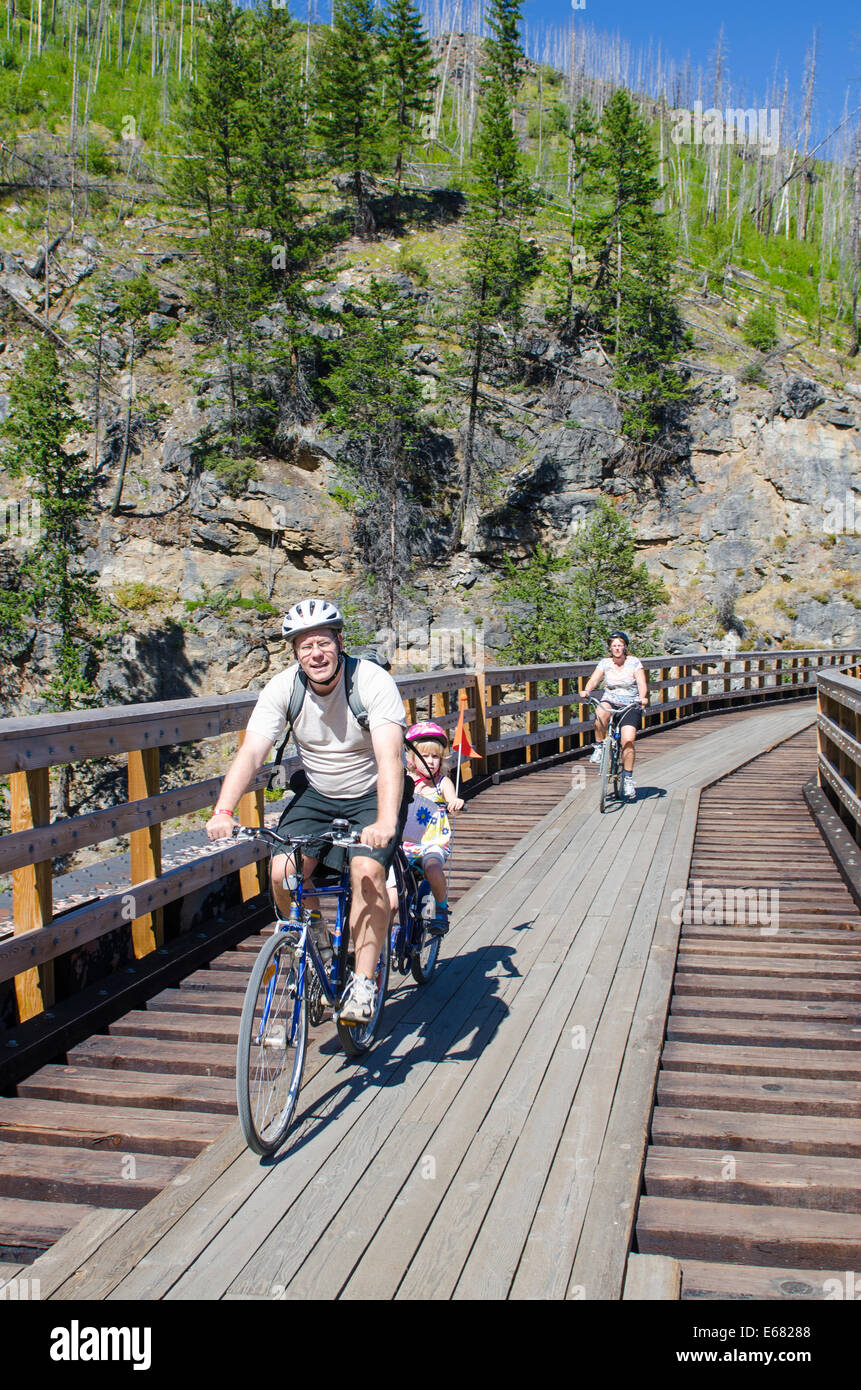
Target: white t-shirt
{"x": 620, "y": 682}
{"x": 336, "y": 752}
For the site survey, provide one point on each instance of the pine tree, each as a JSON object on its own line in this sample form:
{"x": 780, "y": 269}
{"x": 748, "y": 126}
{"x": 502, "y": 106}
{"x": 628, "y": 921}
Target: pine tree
{"x": 632, "y": 291}
{"x": 60, "y": 589}
{"x": 500, "y": 262}
{"x": 274, "y": 163}
{"x": 233, "y": 171}
{"x": 375, "y": 402}
{"x": 582, "y": 169}
{"x": 347, "y": 98}
{"x": 567, "y": 605}
{"x": 408, "y": 70}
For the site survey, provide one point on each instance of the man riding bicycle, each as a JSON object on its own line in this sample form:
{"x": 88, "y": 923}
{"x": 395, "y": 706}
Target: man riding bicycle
{"x": 353, "y": 770}
{"x": 624, "y": 680}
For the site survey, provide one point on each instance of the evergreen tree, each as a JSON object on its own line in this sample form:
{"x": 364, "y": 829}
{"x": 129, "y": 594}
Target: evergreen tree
{"x": 237, "y": 170}
{"x": 582, "y": 172}
{"x": 348, "y": 117}
{"x": 500, "y": 262}
{"x": 567, "y": 605}
{"x": 375, "y": 402}
{"x": 408, "y": 71}
{"x": 215, "y": 116}
{"x": 60, "y": 589}
{"x": 274, "y": 163}
{"x": 632, "y": 291}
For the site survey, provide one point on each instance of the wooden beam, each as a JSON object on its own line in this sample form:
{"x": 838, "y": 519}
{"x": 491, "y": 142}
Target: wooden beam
{"x": 145, "y": 848}
{"x": 32, "y": 905}
{"x": 564, "y": 711}
{"x": 251, "y": 811}
{"x": 650, "y": 1277}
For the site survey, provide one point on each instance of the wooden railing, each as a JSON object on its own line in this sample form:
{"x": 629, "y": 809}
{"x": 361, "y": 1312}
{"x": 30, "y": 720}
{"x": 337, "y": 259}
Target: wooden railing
{"x": 836, "y": 803}
{"x": 506, "y": 713}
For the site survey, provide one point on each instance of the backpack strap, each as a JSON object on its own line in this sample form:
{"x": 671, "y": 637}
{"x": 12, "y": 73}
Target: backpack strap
{"x": 297, "y": 699}
{"x": 351, "y": 686}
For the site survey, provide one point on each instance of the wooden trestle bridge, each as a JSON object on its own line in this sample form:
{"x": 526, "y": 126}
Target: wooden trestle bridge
{"x": 636, "y": 1072}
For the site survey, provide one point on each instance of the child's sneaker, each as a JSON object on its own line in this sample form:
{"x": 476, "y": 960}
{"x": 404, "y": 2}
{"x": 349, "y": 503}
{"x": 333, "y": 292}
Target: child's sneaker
{"x": 439, "y": 924}
{"x": 357, "y": 1001}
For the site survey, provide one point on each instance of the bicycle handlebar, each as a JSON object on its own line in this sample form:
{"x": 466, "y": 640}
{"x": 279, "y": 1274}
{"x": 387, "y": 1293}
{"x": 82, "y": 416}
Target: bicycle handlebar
{"x": 337, "y": 838}
{"x": 596, "y": 700}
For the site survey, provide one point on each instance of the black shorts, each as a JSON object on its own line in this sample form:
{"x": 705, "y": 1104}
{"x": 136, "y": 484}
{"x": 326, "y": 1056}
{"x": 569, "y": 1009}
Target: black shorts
{"x": 309, "y": 811}
{"x": 632, "y": 720}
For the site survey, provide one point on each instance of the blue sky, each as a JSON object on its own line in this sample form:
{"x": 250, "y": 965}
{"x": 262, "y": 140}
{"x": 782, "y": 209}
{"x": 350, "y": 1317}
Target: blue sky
{"x": 756, "y": 31}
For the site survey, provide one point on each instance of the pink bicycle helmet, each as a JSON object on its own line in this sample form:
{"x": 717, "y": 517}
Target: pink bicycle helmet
{"x": 427, "y": 730}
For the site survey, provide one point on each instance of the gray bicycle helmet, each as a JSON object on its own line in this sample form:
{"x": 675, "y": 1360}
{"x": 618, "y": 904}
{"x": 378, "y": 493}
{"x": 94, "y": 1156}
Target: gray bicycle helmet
{"x": 310, "y": 613}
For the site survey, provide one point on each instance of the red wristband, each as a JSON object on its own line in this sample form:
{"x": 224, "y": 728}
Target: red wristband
{"x": 221, "y": 811}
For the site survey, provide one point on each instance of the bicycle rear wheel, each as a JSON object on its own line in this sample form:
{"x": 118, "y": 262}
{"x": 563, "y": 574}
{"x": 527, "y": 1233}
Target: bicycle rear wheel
{"x": 424, "y": 948}
{"x": 356, "y": 1038}
{"x": 273, "y": 1039}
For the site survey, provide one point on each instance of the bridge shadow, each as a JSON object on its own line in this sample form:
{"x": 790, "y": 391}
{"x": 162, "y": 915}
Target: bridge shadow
{"x": 438, "y": 1039}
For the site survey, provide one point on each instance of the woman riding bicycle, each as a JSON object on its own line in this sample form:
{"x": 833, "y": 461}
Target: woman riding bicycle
{"x": 624, "y": 681}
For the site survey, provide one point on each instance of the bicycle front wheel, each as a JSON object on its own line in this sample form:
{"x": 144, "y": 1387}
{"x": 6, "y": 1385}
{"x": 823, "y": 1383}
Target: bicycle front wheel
{"x": 606, "y": 773}
{"x": 356, "y": 1038}
{"x": 273, "y": 1039}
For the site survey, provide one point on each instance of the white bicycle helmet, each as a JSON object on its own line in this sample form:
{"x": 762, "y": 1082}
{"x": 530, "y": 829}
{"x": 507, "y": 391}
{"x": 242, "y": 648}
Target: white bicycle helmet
{"x": 310, "y": 613}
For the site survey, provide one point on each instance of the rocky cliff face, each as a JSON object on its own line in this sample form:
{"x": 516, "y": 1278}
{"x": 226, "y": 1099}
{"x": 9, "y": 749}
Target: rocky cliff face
{"x": 752, "y": 527}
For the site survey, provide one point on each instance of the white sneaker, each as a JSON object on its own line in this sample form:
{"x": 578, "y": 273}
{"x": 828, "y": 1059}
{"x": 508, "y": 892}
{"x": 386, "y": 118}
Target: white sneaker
{"x": 358, "y": 1000}
{"x": 596, "y": 754}
{"x": 629, "y": 790}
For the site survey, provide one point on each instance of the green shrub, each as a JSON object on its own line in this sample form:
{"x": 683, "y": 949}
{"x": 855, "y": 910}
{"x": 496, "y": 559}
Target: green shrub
{"x": 235, "y": 474}
{"x": 137, "y": 596}
{"x": 97, "y": 159}
{"x": 760, "y": 328}
{"x": 411, "y": 264}
{"x": 754, "y": 375}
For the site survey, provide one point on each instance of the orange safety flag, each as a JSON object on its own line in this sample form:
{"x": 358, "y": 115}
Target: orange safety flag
{"x": 461, "y": 742}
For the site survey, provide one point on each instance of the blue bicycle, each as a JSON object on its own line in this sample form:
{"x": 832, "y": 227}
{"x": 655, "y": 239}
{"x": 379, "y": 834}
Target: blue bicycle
{"x": 283, "y": 993}
{"x": 414, "y": 945}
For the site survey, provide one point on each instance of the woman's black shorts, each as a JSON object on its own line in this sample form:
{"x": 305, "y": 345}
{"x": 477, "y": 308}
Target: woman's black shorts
{"x": 632, "y": 720}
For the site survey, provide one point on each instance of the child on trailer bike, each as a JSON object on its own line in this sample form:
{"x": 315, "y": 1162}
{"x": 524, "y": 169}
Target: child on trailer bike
{"x": 347, "y": 720}
{"x": 624, "y": 680}
{"x": 427, "y": 831}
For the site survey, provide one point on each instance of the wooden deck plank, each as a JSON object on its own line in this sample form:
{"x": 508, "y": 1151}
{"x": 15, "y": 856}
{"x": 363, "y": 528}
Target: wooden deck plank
{"x": 79, "y": 1243}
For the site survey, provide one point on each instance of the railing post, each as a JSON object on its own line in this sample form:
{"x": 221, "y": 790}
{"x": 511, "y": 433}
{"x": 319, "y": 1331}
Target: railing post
{"x": 531, "y": 719}
{"x": 32, "y": 906}
{"x": 251, "y": 811}
{"x": 479, "y": 740}
{"x": 564, "y": 713}
{"x": 582, "y": 710}
{"x": 145, "y": 848}
{"x": 745, "y": 666}
{"x": 494, "y": 761}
